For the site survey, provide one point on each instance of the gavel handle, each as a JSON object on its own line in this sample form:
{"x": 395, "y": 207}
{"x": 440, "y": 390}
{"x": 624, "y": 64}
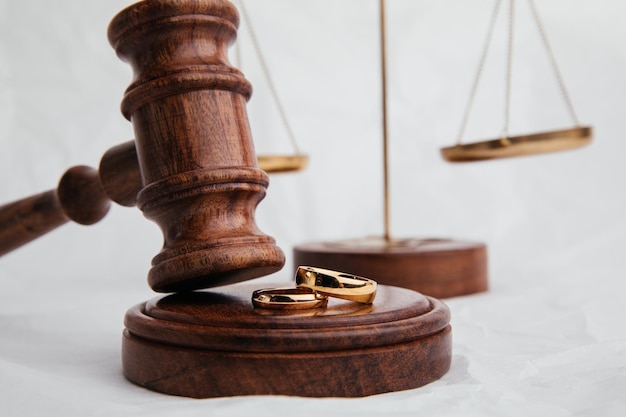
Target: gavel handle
{"x": 25, "y": 220}
{"x": 83, "y": 195}
{"x": 78, "y": 197}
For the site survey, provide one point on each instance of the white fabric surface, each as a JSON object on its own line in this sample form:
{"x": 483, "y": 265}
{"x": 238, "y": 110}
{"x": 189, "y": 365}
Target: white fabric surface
{"x": 548, "y": 339}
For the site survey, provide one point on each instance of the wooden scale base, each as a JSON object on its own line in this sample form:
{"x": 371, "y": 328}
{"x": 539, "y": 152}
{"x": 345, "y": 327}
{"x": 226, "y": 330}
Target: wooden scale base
{"x": 440, "y": 268}
{"x": 214, "y": 344}
{"x": 192, "y": 169}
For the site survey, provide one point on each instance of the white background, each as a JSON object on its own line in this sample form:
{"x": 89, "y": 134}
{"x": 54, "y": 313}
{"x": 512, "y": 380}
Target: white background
{"x": 547, "y": 339}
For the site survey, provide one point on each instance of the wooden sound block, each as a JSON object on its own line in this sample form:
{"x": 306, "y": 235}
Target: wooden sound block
{"x": 441, "y": 268}
{"x": 215, "y": 344}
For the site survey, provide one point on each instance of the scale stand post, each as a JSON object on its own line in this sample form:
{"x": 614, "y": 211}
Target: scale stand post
{"x": 192, "y": 169}
{"x": 437, "y": 267}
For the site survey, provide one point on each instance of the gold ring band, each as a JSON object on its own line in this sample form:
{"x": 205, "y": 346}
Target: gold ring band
{"x": 288, "y": 299}
{"x": 336, "y": 284}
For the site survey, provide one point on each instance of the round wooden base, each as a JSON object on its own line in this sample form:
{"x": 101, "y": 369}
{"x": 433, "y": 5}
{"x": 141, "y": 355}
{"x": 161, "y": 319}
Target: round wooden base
{"x": 210, "y": 344}
{"x": 441, "y": 268}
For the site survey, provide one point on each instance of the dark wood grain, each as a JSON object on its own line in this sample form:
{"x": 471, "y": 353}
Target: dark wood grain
{"x": 83, "y": 195}
{"x": 440, "y": 268}
{"x": 25, "y": 220}
{"x": 212, "y": 344}
{"x": 195, "y": 150}
{"x": 192, "y": 168}
{"x": 120, "y": 175}
{"x": 78, "y": 197}
{"x": 118, "y": 179}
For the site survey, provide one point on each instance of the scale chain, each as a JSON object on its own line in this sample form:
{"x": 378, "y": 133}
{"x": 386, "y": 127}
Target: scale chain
{"x": 555, "y": 67}
{"x": 509, "y": 71}
{"x": 479, "y": 70}
{"x": 268, "y": 77}
{"x": 509, "y": 66}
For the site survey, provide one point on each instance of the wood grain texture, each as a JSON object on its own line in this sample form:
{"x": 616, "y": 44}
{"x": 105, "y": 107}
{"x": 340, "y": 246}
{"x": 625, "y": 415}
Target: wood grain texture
{"x": 198, "y": 179}
{"x": 120, "y": 175}
{"x": 213, "y": 344}
{"x": 192, "y": 168}
{"x": 25, "y": 220}
{"x": 78, "y": 197}
{"x": 439, "y": 268}
{"x": 81, "y": 196}
{"x": 194, "y": 146}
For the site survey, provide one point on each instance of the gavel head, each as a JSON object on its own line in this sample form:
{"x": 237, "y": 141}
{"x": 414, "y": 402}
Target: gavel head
{"x": 201, "y": 183}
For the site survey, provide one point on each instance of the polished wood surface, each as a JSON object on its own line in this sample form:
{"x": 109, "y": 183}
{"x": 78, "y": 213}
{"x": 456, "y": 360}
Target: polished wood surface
{"x": 85, "y": 193}
{"x": 216, "y": 344}
{"x": 213, "y": 344}
{"x": 123, "y": 189}
{"x": 120, "y": 175}
{"x": 198, "y": 166}
{"x": 25, "y": 220}
{"x": 439, "y": 268}
{"x": 192, "y": 168}
{"x": 78, "y": 197}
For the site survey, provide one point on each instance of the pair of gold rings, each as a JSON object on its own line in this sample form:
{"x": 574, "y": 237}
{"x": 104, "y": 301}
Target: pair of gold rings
{"x": 314, "y": 286}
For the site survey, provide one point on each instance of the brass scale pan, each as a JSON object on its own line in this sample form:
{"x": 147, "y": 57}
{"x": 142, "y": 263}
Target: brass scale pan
{"x": 506, "y": 147}
{"x": 282, "y": 163}
{"x": 511, "y": 146}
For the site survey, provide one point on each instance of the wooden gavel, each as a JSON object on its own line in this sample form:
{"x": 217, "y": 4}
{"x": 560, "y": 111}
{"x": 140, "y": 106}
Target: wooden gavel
{"x": 192, "y": 167}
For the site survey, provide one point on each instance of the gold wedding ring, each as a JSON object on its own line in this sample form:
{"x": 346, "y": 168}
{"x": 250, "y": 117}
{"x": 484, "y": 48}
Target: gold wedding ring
{"x": 314, "y": 286}
{"x": 336, "y": 284}
{"x": 288, "y": 299}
